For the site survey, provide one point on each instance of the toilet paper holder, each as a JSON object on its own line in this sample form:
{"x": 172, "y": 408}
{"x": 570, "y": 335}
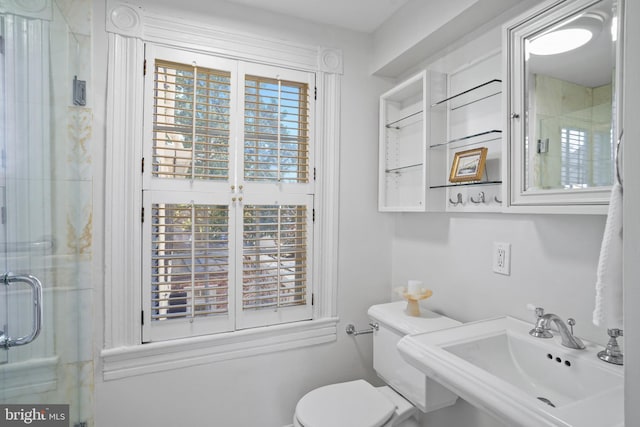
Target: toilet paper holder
{"x": 351, "y": 329}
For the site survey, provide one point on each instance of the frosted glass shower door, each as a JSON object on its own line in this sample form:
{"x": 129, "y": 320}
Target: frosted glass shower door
{"x": 25, "y": 248}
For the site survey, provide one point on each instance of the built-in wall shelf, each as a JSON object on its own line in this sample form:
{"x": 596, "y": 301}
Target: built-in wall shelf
{"x": 429, "y": 120}
{"x": 486, "y": 136}
{"x": 473, "y": 94}
{"x": 403, "y": 121}
{"x": 466, "y": 184}
{"x": 467, "y": 116}
{"x": 402, "y": 146}
{"x": 402, "y": 168}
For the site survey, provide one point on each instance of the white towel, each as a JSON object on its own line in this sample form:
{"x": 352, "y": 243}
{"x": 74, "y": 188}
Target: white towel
{"x": 608, "y": 310}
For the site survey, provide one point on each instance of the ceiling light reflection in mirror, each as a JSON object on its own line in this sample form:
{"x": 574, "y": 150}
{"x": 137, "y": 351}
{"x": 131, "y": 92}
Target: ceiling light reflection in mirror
{"x": 569, "y": 35}
{"x": 560, "y": 41}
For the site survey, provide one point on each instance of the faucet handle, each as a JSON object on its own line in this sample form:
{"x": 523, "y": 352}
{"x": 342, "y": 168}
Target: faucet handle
{"x": 571, "y": 322}
{"x": 539, "y": 311}
{"x": 612, "y": 353}
{"x": 614, "y": 333}
{"x": 541, "y": 329}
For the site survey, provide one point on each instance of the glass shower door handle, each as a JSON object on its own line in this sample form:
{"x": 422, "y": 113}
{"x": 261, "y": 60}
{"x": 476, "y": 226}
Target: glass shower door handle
{"x": 36, "y": 290}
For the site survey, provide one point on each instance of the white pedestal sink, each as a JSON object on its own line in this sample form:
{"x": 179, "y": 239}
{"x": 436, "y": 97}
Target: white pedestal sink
{"x": 498, "y": 367}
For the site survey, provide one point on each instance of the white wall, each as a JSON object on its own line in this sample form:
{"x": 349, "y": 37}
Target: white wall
{"x": 553, "y": 264}
{"x": 420, "y": 29}
{"x": 414, "y": 22}
{"x": 262, "y": 391}
{"x": 631, "y": 215}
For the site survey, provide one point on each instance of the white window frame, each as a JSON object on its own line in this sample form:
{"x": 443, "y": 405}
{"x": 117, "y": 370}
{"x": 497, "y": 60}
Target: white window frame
{"x": 129, "y": 28}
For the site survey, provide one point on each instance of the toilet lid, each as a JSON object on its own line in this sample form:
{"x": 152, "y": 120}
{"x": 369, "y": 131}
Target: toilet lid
{"x": 351, "y": 404}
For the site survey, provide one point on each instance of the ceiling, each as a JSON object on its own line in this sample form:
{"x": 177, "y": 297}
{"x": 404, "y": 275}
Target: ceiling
{"x": 358, "y": 15}
{"x": 367, "y": 15}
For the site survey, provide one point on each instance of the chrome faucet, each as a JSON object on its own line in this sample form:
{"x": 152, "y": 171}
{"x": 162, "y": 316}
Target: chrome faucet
{"x": 542, "y": 329}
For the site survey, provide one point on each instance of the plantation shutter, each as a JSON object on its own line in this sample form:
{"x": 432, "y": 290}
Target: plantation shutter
{"x": 188, "y": 264}
{"x": 277, "y": 214}
{"x": 191, "y": 122}
{"x": 190, "y": 260}
{"x": 188, "y": 248}
{"x": 574, "y": 154}
{"x": 276, "y": 266}
{"x": 225, "y": 250}
{"x": 276, "y": 130}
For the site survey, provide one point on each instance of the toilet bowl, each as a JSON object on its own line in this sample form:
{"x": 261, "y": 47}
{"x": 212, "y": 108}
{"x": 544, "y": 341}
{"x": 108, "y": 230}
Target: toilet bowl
{"x": 360, "y": 404}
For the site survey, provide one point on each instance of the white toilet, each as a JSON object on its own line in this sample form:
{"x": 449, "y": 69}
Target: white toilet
{"x": 358, "y": 403}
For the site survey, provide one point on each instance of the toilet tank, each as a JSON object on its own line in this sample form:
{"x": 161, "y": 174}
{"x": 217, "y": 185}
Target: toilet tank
{"x": 394, "y": 323}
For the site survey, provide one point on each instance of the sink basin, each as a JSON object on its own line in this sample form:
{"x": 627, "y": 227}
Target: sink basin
{"x": 498, "y": 367}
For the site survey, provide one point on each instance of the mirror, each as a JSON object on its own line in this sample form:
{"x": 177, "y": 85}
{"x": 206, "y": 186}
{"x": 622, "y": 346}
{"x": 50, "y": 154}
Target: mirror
{"x": 562, "y": 105}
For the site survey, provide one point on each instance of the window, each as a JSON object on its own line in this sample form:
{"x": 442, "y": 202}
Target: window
{"x": 228, "y": 195}
{"x": 574, "y": 157}
{"x": 586, "y": 157}
{"x": 276, "y": 127}
{"x": 129, "y": 121}
{"x": 190, "y": 104}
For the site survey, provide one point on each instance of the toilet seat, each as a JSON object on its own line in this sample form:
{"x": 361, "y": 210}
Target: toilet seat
{"x": 351, "y": 404}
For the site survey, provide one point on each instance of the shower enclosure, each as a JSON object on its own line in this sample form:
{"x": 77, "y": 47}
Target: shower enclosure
{"x": 46, "y": 348}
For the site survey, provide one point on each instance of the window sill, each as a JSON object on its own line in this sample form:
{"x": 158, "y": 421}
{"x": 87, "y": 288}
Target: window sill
{"x": 123, "y": 362}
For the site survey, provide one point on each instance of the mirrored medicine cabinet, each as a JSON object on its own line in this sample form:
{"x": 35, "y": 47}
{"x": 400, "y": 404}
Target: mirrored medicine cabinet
{"x": 561, "y": 98}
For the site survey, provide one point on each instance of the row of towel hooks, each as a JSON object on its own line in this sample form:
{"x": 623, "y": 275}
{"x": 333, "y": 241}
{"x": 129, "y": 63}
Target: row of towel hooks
{"x": 480, "y": 199}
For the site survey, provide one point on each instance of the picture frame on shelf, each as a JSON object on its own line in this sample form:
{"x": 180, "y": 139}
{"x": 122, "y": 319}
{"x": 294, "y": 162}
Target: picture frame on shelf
{"x": 468, "y": 165}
